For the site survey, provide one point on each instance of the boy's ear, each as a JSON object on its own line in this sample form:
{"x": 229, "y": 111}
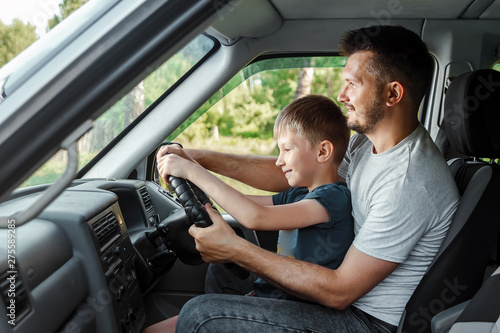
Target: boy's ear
{"x": 325, "y": 151}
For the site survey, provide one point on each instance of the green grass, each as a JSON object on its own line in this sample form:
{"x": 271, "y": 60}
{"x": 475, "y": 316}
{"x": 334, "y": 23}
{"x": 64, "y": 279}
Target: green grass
{"x": 55, "y": 167}
{"x": 234, "y": 145}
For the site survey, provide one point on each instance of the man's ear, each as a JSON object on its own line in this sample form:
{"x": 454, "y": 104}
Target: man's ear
{"x": 325, "y": 151}
{"x": 395, "y": 93}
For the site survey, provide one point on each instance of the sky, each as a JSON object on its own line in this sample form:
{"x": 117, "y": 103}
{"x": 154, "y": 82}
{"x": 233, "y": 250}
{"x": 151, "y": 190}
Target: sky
{"x": 37, "y": 12}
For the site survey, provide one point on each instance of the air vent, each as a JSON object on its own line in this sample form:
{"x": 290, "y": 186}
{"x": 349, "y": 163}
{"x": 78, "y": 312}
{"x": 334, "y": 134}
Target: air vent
{"x": 12, "y": 288}
{"x": 146, "y": 199}
{"x": 106, "y": 229}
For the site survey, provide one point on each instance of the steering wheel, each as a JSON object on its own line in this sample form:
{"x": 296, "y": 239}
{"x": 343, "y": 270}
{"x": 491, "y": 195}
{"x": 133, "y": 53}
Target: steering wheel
{"x": 193, "y": 199}
{"x": 174, "y": 228}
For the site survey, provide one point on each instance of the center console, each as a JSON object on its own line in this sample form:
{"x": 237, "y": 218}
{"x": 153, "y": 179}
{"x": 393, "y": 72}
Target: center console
{"x": 117, "y": 257}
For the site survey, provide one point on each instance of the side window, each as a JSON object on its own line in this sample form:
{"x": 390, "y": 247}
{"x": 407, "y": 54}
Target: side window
{"x": 239, "y": 118}
{"x": 120, "y": 115}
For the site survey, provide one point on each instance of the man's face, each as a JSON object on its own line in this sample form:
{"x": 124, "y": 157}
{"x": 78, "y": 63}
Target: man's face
{"x": 361, "y": 94}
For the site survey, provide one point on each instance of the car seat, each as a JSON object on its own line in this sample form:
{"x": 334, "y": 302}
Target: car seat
{"x": 472, "y": 127}
{"x": 482, "y": 313}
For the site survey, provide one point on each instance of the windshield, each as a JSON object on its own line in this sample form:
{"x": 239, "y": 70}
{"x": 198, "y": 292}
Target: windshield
{"x": 15, "y": 72}
{"x": 123, "y": 113}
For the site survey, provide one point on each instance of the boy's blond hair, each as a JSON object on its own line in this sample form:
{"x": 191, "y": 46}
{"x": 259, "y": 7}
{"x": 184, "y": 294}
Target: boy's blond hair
{"x": 315, "y": 118}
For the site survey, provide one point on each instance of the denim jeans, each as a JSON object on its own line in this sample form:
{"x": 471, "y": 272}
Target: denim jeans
{"x": 220, "y": 280}
{"x": 236, "y": 313}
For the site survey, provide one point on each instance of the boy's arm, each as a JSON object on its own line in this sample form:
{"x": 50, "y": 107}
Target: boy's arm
{"x": 257, "y": 171}
{"x": 251, "y": 214}
{"x": 263, "y": 200}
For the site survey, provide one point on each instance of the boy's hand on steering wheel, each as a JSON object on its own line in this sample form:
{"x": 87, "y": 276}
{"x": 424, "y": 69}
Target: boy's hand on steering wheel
{"x": 174, "y": 165}
{"x": 174, "y": 148}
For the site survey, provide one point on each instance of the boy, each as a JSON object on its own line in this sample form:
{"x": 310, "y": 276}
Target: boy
{"x": 314, "y": 216}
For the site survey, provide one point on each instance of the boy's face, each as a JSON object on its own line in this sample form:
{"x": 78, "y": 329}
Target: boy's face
{"x": 297, "y": 160}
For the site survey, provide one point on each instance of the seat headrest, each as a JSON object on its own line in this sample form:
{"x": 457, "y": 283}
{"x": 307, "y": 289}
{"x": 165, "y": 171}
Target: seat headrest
{"x": 472, "y": 113}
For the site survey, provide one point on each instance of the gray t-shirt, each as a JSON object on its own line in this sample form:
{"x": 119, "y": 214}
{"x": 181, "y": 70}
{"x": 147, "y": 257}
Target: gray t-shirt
{"x": 403, "y": 201}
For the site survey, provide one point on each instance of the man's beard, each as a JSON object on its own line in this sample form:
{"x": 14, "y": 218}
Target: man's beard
{"x": 371, "y": 116}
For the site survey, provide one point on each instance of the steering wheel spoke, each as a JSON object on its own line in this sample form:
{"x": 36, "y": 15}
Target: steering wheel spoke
{"x": 189, "y": 200}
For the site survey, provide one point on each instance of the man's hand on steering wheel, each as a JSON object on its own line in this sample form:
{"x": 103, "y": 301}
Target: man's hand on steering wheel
{"x": 216, "y": 242}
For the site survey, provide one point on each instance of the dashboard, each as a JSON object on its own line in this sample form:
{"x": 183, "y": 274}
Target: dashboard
{"x": 89, "y": 260}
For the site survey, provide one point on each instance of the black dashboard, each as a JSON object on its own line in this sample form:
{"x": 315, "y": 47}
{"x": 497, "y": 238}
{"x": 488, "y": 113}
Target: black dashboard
{"x": 87, "y": 262}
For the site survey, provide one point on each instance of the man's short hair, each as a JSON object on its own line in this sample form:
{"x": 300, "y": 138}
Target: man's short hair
{"x": 399, "y": 55}
{"x": 315, "y": 118}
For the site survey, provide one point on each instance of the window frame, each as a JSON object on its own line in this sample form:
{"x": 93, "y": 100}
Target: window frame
{"x": 153, "y": 105}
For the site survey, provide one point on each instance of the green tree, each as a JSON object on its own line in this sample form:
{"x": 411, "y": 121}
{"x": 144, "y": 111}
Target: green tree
{"x": 67, "y": 7}
{"x": 14, "y": 38}
{"x": 306, "y": 76}
{"x": 248, "y": 104}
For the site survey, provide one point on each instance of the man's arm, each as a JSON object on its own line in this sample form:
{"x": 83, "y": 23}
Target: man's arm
{"x": 259, "y": 172}
{"x": 358, "y": 273}
{"x": 250, "y": 212}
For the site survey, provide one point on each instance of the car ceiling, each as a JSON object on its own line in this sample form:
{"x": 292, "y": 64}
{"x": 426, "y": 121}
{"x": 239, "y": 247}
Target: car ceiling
{"x": 257, "y": 18}
{"x": 407, "y": 9}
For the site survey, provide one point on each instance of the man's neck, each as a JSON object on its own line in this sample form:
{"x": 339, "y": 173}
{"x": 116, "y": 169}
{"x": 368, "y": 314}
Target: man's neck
{"x": 388, "y": 134}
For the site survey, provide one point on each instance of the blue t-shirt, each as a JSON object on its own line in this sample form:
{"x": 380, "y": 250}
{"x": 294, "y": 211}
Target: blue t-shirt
{"x": 325, "y": 243}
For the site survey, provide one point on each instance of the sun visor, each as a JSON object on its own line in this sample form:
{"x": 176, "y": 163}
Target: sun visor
{"x": 248, "y": 18}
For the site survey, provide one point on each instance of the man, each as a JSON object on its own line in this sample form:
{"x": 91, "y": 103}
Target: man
{"x": 393, "y": 170}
